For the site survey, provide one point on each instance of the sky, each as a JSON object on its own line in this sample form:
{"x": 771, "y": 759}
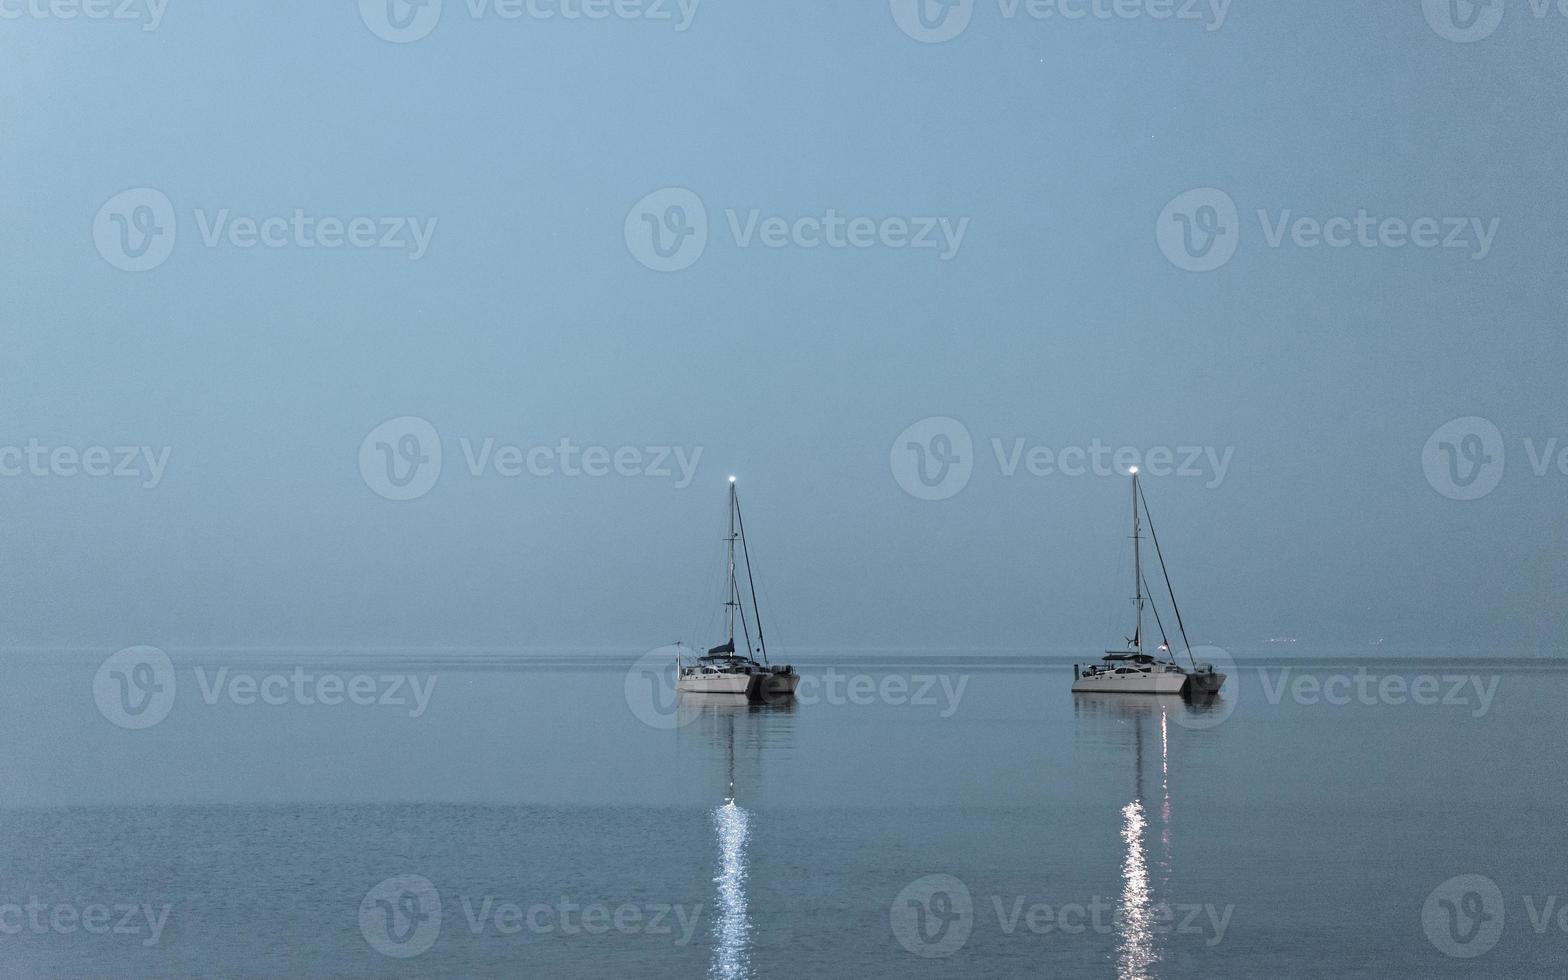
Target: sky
{"x": 899, "y": 271}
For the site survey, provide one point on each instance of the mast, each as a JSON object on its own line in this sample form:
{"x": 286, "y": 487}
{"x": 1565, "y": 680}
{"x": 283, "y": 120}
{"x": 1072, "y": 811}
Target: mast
{"x": 731, "y": 597}
{"x": 1137, "y": 564}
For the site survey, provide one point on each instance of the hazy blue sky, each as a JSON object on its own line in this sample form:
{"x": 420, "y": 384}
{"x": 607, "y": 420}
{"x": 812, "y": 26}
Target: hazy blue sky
{"x": 528, "y": 318}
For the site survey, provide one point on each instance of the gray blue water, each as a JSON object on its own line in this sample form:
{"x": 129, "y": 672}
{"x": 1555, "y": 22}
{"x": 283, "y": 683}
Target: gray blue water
{"x": 550, "y": 815}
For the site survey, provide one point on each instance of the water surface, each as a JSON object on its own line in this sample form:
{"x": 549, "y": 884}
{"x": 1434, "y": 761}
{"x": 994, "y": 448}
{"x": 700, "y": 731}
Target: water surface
{"x": 967, "y": 815}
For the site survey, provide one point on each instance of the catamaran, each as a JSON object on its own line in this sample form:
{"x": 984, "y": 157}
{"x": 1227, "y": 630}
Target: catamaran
{"x": 1132, "y": 671}
{"x": 723, "y": 670}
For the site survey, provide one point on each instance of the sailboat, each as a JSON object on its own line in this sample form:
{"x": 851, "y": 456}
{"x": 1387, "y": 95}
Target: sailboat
{"x": 1132, "y": 671}
{"x": 723, "y": 670}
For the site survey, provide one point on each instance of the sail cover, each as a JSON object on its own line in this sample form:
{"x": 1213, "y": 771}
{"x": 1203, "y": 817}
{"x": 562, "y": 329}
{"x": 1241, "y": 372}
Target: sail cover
{"x": 723, "y": 648}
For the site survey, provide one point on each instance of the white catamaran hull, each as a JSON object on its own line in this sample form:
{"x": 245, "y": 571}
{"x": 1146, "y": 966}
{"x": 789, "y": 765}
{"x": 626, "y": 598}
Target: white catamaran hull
{"x": 1136, "y": 682}
{"x": 741, "y": 684}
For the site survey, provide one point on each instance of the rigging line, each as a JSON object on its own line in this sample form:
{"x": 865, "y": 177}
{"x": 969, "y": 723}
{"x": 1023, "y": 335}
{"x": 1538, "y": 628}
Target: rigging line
{"x": 744, "y": 629}
{"x": 745, "y": 551}
{"x": 1156, "y": 610}
{"x": 1167, "y": 574}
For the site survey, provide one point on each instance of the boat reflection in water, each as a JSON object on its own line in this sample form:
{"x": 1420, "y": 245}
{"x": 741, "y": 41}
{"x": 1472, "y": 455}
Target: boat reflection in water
{"x": 717, "y": 718}
{"x": 1144, "y": 721}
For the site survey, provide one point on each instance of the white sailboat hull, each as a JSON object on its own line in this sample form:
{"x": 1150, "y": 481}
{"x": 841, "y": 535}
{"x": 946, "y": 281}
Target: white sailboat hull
{"x": 1137, "y": 682}
{"x": 716, "y": 684}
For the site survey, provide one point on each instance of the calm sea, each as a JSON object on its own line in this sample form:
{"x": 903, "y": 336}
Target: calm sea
{"x": 484, "y": 814}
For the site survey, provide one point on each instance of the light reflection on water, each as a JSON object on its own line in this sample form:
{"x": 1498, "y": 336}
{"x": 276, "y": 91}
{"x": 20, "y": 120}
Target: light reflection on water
{"x": 1165, "y": 792}
{"x": 732, "y": 829}
{"x": 1137, "y": 949}
{"x": 732, "y": 926}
